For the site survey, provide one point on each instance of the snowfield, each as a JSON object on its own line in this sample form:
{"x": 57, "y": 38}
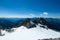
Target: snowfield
{"x": 36, "y": 33}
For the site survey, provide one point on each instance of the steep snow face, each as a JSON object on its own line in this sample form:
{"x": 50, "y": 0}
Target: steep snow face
{"x": 23, "y": 33}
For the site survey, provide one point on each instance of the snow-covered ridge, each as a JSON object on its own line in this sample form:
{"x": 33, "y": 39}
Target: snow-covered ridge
{"x": 22, "y": 33}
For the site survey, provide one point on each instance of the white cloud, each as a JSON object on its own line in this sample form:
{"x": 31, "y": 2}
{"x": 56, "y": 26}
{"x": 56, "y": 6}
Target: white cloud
{"x": 44, "y": 14}
{"x": 31, "y": 15}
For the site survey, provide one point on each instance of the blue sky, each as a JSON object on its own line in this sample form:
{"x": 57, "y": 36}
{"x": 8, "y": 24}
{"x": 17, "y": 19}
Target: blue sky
{"x": 30, "y": 8}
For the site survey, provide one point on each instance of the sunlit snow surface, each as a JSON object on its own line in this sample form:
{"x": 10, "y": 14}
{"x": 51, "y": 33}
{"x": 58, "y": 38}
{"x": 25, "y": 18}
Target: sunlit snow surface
{"x": 23, "y": 33}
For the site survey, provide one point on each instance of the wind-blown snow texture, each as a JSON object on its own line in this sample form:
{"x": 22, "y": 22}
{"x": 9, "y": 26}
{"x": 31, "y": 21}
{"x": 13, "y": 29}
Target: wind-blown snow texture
{"x": 36, "y": 33}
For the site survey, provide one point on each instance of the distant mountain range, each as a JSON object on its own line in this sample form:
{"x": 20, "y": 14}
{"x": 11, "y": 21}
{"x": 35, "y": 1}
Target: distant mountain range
{"x": 55, "y": 22}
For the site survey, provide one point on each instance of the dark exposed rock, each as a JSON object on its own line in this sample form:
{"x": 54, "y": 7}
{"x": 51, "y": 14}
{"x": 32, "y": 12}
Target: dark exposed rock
{"x": 1, "y": 33}
{"x": 50, "y": 39}
{"x": 28, "y": 23}
{"x": 10, "y": 30}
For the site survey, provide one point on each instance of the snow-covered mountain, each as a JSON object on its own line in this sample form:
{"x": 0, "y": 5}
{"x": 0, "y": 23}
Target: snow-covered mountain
{"x": 7, "y": 23}
{"x": 28, "y": 29}
{"x": 22, "y": 33}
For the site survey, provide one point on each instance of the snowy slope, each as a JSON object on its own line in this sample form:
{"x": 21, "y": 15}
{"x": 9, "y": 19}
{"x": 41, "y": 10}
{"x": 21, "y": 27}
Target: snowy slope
{"x": 23, "y": 33}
